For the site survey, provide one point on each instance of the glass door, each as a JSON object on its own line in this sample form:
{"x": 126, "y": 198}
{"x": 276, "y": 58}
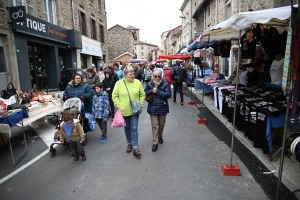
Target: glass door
{"x": 38, "y": 68}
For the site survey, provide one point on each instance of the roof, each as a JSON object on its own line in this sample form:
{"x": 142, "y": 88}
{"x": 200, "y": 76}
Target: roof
{"x": 123, "y": 55}
{"x": 145, "y": 43}
{"x": 119, "y": 26}
{"x": 183, "y": 5}
{"x": 172, "y": 30}
{"x": 132, "y": 28}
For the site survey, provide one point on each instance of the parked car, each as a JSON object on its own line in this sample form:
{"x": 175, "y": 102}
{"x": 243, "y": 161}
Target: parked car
{"x": 67, "y": 76}
{"x": 196, "y": 72}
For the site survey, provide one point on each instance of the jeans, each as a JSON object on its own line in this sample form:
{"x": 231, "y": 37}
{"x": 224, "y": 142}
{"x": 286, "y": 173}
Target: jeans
{"x": 131, "y": 130}
{"x": 179, "y": 86}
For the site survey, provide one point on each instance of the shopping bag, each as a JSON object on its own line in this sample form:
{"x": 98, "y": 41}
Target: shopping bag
{"x": 89, "y": 121}
{"x": 119, "y": 120}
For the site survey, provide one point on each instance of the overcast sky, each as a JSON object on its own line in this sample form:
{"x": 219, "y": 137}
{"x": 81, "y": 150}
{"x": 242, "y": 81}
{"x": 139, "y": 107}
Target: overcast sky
{"x": 152, "y": 17}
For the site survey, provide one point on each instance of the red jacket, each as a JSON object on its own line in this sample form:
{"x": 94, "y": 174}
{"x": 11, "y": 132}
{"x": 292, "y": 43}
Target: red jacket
{"x": 167, "y": 74}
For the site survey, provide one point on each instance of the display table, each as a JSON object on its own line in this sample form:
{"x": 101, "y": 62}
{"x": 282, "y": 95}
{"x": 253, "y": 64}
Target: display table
{"x": 37, "y": 111}
{"x": 12, "y": 120}
{"x": 198, "y": 85}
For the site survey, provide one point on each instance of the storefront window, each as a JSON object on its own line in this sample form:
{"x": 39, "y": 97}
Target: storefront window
{"x": 2, "y": 56}
{"x": 83, "y": 60}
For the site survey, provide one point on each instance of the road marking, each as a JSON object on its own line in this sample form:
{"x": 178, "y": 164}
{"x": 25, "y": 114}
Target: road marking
{"x": 23, "y": 167}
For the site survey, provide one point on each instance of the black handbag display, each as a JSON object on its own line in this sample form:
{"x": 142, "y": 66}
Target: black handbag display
{"x": 17, "y": 106}
{"x": 10, "y": 91}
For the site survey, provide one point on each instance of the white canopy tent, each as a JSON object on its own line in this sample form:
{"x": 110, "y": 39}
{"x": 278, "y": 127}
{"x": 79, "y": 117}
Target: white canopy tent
{"x": 230, "y": 28}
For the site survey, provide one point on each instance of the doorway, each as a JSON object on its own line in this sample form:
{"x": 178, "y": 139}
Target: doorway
{"x": 37, "y": 65}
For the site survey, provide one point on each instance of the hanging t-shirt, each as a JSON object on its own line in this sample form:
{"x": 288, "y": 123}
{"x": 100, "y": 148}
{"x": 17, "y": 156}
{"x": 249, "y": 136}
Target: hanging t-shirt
{"x": 217, "y": 49}
{"x": 276, "y": 71}
{"x": 248, "y": 45}
{"x": 225, "y": 49}
{"x": 265, "y": 69}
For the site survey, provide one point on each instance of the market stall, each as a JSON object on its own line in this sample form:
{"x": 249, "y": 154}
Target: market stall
{"x": 257, "y": 106}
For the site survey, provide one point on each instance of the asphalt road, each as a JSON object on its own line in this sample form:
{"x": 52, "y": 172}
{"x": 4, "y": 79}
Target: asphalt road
{"x": 186, "y": 166}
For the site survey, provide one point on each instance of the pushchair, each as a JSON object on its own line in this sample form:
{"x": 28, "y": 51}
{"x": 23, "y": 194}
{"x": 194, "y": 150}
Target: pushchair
{"x": 74, "y": 106}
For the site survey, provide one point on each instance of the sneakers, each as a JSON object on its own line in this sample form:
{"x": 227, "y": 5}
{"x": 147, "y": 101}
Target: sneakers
{"x": 129, "y": 148}
{"x": 136, "y": 152}
{"x": 83, "y": 158}
{"x": 75, "y": 159}
{"x": 181, "y": 103}
{"x": 103, "y": 139}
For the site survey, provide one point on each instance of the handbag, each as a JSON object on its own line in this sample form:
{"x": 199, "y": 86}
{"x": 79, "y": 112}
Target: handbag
{"x": 6, "y": 94}
{"x": 149, "y": 98}
{"x": 135, "y": 106}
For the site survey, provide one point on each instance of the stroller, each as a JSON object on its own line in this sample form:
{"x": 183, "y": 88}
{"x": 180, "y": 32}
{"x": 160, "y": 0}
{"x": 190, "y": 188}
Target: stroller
{"x": 73, "y": 105}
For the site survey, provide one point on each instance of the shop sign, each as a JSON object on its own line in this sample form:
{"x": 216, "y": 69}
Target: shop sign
{"x": 17, "y": 14}
{"x": 40, "y": 28}
{"x": 91, "y": 51}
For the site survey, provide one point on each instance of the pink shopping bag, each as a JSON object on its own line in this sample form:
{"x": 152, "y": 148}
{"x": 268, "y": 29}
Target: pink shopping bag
{"x": 119, "y": 120}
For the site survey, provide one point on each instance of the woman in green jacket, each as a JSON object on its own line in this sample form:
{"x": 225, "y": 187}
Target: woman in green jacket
{"x": 121, "y": 99}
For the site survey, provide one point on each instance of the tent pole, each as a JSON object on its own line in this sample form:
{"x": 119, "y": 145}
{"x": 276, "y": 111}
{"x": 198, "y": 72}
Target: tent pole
{"x": 288, "y": 99}
{"x": 235, "y": 97}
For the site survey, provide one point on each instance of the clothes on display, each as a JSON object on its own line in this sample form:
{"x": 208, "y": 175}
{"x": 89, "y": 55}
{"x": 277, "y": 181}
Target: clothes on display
{"x": 276, "y": 71}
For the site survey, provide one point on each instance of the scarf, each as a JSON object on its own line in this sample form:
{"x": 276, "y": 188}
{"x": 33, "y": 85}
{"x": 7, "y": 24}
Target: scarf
{"x": 157, "y": 83}
{"x": 68, "y": 129}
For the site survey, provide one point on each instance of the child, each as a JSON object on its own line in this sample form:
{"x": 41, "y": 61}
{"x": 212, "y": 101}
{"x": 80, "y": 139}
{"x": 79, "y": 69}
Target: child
{"x": 101, "y": 109}
{"x": 71, "y": 132}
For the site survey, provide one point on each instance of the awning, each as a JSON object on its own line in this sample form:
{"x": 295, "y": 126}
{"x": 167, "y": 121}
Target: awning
{"x": 152, "y": 62}
{"x": 139, "y": 61}
{"x": 176, "y": 56}
{"x": 161, "y": 60}
{"x": 179, "y": 51}
{"x": 228, "y": 29}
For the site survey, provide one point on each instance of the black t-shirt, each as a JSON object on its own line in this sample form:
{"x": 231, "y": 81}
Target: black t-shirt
{"x": 248, "y": 45}
{"x": 265, "y": 70}
{"x": 225, "y": 49}
{"x": 217, "y": 49}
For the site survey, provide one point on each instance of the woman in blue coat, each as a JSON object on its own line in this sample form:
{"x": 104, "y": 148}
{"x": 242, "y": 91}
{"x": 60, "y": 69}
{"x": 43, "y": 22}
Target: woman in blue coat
{"x": 159, "y": 107}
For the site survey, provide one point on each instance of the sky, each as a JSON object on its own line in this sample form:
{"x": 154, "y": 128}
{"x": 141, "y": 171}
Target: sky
{"x": 152, "y": 17}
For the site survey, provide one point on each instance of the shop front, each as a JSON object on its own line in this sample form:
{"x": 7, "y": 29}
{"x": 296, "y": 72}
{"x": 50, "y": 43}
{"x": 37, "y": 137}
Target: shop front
{"x": 90, "y": 53}
{"x": 42, "y": 51}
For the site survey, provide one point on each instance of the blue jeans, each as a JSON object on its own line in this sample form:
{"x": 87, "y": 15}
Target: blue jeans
{"x": 131, "y": 130}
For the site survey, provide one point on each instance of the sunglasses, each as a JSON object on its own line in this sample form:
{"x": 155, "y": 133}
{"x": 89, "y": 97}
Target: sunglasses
{"x": 157, "y": 76}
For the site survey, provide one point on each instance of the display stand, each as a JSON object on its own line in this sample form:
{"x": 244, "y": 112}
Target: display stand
{"x": 5, "y": 128}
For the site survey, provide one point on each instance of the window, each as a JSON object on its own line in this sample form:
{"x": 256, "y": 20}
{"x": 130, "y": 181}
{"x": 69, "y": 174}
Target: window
{"x": 142, "y": 48}
{"x": 93, "y": 30}
{"x": 82, "y": 23}
{"x": 195, "y": 6}
{"x": 228, "y": 9}
{"x": 135, "y": 48}
{"x": 2, "y": 56}
{"x": 101, "y": 34}
{"x": 92, "y": 1}
{"x": 50, "y": 8}
{"x": 99, "y": 4}
{"x": 21, "y": 3}
{"x": 142, "y": 53}
{"x": 186, "y": 19}
{"x": 208, "y": 11}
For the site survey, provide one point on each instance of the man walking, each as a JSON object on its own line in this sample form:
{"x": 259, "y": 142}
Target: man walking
{"x": 178, "y": 76}
{"x": 138, "y": 73}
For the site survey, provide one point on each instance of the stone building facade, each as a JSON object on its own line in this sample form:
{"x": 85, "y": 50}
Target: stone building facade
{"x": 143, "y": 50}
{"x": 58, "y": 52}
{"x": 119, "y": 41}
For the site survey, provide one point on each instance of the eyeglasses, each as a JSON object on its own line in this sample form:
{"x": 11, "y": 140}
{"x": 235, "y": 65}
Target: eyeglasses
{"x": 157, "y": 76}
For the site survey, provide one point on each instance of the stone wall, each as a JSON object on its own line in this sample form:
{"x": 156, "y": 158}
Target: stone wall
{"x": 119, "y": 41}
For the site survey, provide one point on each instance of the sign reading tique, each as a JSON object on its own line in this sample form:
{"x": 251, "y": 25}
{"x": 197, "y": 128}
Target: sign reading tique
{"x": 41, "y": 28}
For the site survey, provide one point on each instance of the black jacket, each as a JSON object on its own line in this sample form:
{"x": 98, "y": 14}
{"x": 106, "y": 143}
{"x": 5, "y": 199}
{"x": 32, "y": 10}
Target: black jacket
{"x": 139, "y": 74}
{"x": 178, "y": 74}
{"x": 108, "y": 83}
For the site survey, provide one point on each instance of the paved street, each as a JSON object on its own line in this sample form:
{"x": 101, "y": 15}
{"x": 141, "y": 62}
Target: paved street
{"x": 186, "y": 166}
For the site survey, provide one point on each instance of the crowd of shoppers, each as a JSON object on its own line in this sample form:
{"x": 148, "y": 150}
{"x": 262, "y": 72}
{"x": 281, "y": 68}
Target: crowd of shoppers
{"x": 119, "y": 85}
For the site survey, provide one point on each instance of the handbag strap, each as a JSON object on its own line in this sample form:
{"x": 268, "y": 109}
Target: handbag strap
{"x": 12, "y": 86}
{"x": 127, "y": 90}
